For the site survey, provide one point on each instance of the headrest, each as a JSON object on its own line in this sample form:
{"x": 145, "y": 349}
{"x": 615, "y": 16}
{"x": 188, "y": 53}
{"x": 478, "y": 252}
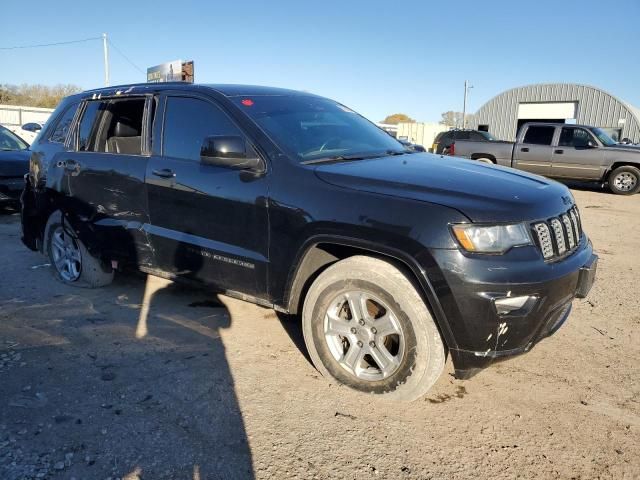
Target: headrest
{"x": 124, "y": 130}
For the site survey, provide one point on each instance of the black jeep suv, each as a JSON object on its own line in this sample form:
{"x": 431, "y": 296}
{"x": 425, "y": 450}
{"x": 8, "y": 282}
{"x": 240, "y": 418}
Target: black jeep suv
{"x": 391, "y": 257}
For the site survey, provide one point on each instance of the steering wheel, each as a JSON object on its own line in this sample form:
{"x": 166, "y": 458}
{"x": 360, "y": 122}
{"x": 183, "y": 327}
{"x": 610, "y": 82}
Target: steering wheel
{"x": 325, "y": 144}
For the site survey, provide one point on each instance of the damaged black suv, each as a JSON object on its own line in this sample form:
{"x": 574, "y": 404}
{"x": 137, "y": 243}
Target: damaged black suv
{"x": 392, "y": 258}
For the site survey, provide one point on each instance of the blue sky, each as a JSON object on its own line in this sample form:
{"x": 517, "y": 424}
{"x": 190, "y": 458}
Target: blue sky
{"x": 377, "y": 57}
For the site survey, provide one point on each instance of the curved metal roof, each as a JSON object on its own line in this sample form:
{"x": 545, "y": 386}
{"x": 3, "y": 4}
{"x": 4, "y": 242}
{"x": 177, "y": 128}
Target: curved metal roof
{"x": 595, "y": 107}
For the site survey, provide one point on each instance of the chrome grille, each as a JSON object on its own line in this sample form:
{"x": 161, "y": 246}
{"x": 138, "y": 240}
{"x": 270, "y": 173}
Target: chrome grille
{"x": 568, "y": 225}
{"x": 576, "y": 223}
{"x": 558, "y": 236}
{"x": 542, "y": 229}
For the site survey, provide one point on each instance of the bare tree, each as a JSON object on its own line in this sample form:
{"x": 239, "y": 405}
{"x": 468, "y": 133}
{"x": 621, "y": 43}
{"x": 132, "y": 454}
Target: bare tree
{"x": 35, "y": 95}
{"x": 454, "y": 119}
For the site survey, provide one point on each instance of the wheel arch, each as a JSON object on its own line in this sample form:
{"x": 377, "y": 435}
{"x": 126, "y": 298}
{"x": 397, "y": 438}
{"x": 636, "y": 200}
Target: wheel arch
{"x": 620, "y": 163}
{"x": 49, "y": 202}
{"x": 320, "y": 252}
{"x": 476, "y": 156}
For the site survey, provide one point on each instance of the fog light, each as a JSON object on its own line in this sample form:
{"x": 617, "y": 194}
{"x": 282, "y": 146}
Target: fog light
{"x": 514, "y": 306}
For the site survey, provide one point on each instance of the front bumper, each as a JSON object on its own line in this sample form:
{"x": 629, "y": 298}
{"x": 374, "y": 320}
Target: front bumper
{"x": 471, "y": 290}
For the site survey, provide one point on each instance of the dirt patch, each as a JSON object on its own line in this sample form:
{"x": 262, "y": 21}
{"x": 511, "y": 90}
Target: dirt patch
{"x": 217, "y": 388}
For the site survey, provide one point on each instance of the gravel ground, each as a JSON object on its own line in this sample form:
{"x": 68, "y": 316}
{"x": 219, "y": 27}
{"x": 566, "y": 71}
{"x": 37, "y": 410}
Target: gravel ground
{"x": 146, "y": 379}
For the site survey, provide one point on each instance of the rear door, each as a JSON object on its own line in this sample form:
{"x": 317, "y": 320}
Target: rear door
{"x": 207, "y": 222}
{"x": 102, "y": 174}
{"x": 533, "y": 154}
{"x": 577, "y": 155}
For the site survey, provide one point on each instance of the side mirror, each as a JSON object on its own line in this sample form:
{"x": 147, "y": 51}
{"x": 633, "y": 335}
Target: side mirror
{"x": 229, "y": 151}
{"x": 592, "y": 144}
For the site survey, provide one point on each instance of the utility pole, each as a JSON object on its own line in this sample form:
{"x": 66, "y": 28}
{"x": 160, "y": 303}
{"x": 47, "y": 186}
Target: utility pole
{"x": 106, "y": 59}
{"x": 464, "y": 105}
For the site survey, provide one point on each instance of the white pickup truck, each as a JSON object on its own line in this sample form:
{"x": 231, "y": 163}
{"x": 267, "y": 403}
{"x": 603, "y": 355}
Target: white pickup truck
{"x": 576, "y": 152}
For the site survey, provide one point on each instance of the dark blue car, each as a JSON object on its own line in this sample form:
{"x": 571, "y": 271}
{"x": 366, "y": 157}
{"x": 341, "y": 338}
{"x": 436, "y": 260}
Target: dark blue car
{"x": 14, "y": 164}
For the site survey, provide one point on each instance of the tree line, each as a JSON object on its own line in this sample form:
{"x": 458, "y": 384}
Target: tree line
{"x": 35, "y": 95}
{"x": 450, "y": 119}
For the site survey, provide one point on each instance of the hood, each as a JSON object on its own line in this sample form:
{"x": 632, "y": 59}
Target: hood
{"x": 627, "y": 148}
{"x": 14, "y": 163}
{"x": 484, "y": 193}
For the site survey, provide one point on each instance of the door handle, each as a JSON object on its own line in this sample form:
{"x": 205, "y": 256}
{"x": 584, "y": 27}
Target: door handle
{"x": 164, "y": 173}
{"x": 71, "y": 165}
{"x": 558, "y": 151}
{"x": 524, "y": 149}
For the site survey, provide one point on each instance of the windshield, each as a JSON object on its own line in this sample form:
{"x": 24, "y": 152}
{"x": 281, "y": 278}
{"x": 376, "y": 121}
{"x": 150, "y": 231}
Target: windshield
{"x": 487, "y": 135}
{"x": 10, "y": 141}
{"x": 311, "y": 128}
{"x": 603, "y": 137}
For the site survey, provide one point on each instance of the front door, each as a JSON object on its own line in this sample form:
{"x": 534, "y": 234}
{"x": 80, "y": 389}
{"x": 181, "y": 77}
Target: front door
{"x": 533, "y": 153}
{"x": 577, "y": 155}
{"x": 207, "y": 222}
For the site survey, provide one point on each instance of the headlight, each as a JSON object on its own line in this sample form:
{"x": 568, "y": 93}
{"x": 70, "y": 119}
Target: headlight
{"x": 491, "y": 238}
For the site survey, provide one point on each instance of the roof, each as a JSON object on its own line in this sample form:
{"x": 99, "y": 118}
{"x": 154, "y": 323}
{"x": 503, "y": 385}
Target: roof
{"x": 228, "y": 90}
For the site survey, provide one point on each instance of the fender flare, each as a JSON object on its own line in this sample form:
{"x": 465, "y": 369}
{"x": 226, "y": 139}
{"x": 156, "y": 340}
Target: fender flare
{"x": 297, "y": 279}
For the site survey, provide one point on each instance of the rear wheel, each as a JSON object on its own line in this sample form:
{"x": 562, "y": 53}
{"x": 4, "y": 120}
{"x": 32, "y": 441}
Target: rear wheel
{"x": 70, "y": 260}
{"x": 625, "y": 180}
{"x": 485, "y": 160}
{"x": 366, "y": 326}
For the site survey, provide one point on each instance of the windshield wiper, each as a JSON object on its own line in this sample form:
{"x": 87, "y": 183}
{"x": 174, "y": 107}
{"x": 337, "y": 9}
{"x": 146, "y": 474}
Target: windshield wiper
{"x": 338, "y": 158}
{"x": 356, "y": 156}
{"x": 401, "y": 152}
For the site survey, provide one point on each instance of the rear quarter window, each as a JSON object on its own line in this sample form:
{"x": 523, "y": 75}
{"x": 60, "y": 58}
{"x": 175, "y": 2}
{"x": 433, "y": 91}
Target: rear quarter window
{"x": 61, "y": 125}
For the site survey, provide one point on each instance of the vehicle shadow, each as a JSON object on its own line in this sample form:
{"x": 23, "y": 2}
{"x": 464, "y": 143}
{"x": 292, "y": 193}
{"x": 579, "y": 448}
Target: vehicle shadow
{"x": 586, "y": 186}
{"x": 293, "y": 326}
{"x": 126, "y": 402}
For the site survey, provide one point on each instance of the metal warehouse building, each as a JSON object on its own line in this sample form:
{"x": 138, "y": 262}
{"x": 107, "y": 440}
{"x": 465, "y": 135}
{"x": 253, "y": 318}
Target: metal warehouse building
{"x": 503, "y": 115}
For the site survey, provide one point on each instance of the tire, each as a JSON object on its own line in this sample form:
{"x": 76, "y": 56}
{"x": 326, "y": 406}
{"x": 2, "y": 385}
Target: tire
{"x": 625, "y": 180}
{"x": 485, "y": 160}
{"x": 75, "y": 266}
{"x": 408, "y": 345}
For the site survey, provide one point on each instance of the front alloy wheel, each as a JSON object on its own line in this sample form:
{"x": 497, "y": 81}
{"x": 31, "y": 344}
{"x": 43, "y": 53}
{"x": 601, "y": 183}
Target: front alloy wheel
{"x": 366, "y": 326}
{"x": 625, "y": 180}
{"x": 364, "y": 335}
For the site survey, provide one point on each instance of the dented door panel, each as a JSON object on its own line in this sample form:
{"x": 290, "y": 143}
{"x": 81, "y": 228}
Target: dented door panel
{"x": 108, "y": 192}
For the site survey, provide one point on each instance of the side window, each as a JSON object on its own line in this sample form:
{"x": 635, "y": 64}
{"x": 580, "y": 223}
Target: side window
{"x": 539, "y": 135}
{"x": 187, "y": 122}
{"x": 63, "y": 124}
{"x": 112, "y": 126}
{"x": 89, "y": 126}
{"x": 575, "y": 137}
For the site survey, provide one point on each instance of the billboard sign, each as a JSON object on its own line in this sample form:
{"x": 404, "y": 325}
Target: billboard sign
{"x": 167, "y": 72}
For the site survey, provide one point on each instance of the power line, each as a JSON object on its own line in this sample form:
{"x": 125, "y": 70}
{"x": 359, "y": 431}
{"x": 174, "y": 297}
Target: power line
{"x": 90, "y": 39}
{"x": 51, "y": 44}
{"x": 126, "y": 58}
